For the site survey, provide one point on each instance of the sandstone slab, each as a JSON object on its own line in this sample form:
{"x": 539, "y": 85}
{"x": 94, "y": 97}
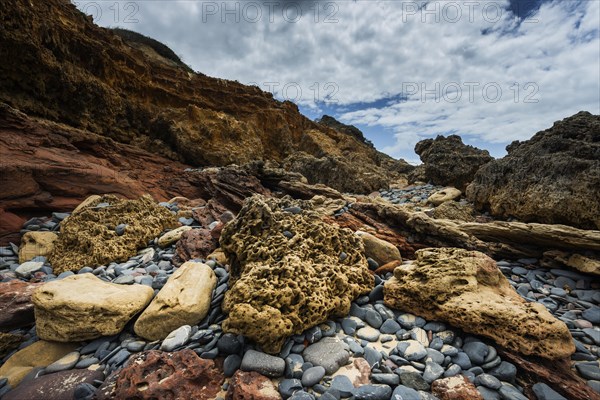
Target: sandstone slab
{"x": 57, "y": 386}
{"x": 282, "y": 285}
{"x": 83, "y": 307}
{"x": 466, "y": 289}
{"x": 38, "y": 354}
{"x": 161, "y": 375}
{"x": 16, "y": 308}
{"x": 184, "y": 300}
{"x": 378, "y": 249}
{"x": 35, "y": 244}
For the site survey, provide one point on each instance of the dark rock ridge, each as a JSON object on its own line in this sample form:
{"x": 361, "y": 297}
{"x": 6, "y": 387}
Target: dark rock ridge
{"x": 448, "y": 161}
{"x": 552, "y": 178}
{"x": 57, "y": 65}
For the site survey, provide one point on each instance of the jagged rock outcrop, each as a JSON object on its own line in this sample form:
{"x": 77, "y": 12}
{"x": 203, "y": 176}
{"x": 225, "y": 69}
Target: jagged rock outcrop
{"x": 466, "y": 289}
{"x": 289, "y": 270}
{"x": 115, "y": 84}
{"x": 351, "y": 130}
{"x": 553, "y": 178}
{"x": 447, "y": 161}
{"x": 88, "y": 237}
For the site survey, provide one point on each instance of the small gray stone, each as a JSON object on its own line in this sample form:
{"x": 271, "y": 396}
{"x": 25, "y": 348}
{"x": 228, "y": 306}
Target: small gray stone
{"x": 262, "y": 363}
{"x": 373, "y": 318}
{"x": 177, "y": 338}
{"x": 27, "y": 268}
{"x": 545, "y": 392}
{"x": 124, "y": 280}
{"x": 330, "y": 353}
{"x": 588, "y": 371}
{"x": 349, "y": 326}
{"x": 368, "y": 333}
{"x": 463, "y": 360}
{"x": 477, "y": 351}
{"x": 343, "y": 385}
{"x": 453, "y": 370}
{"x": 390, "y": 326}
{"x": 86, "y": 362}
{"x": 229, "y": 343}
{"x": 372, "y": 392}
{"x": 592, "y": 314}
{"x": 405, "y": 393}
{"x": 509, "y": 392}
{"x": 288, "y": 387}
{"x": 312, "y": 376}
{"x": 231, "y": 364}
{"x": 488, "y": 381}
{"x": 136, "y": 346}
{"x": 412, "y": 350}
{"x": 488, "y": 394}
{"x": 386, "y": 379}
{"x": 373, "y": 357}
{"x": 65, "y": 363}
{"x": 432, "y": 371}
{"x": 505, "y": 372}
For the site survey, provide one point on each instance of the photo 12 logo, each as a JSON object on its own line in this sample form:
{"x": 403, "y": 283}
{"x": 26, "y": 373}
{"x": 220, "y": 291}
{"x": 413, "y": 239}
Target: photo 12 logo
{"x": 292, "y": 91}
{"x": 453, "y": 92}
{"x": 117, "y": 12}
{"x": 270, "y": 11}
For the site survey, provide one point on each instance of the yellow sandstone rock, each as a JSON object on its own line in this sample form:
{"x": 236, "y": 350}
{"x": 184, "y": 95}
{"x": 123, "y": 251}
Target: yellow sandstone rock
{"x": 172, "y": 236}
{"x": 378, "y": 249}
{"x": 35, "y": 244}
{"x": 444, "y": 195}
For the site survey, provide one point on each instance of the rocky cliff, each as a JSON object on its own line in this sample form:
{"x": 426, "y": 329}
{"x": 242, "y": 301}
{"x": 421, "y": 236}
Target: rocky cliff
{"x": 59, "y": 66}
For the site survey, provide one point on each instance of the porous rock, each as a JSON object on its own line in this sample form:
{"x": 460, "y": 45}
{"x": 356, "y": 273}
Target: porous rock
{"x": 467, "y": 290}
{"x": 83, "y": 307}
{"x": 553, "y": 178}
{"x": 16, "y": 308}
{"x": 454, "y": 210}
{"x": 455, "y": 388}
{"x": 161, "y": 375}
{"x": 251, "y": 386}
{"x": 35, "y": 244}
{"x": 184, "y": 300}
{"x": 9, "y": 342}
{"x": 88, "y": 237}
{"x": 280, "y": 286}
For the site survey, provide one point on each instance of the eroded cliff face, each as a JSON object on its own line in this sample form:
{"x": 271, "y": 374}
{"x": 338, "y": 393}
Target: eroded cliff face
{"x": 57, "y": 65}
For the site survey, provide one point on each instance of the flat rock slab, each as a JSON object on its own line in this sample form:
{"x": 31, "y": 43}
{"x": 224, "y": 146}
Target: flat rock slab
{"x": 16, "y": 308}
{"x": 57, "y": 386}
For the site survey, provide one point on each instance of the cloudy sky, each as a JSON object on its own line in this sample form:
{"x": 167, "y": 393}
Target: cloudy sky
{"x": 492, "y": 71}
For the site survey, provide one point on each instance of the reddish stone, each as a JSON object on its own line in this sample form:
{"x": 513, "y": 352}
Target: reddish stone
{"x": 197, "y": 243}
{"x": 251, "y": 386}
{"x": 209, "y": 213}
{"x": 389, "y": 267}
{"x": 57, "y": 386}
{"x": 162, "y": 375}
{"x": 16, "y": 309}
{"x": 455, "y": 388}
{"x": 10, "y": 225}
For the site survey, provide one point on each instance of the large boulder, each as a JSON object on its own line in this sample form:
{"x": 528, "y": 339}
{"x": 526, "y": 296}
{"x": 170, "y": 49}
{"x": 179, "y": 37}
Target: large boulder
{"x": 467, "y": 290}
{"x": 289, "y": 270}
{"x": 553, "y": 178}
{"x": 161, "y": 375}
{"x": 447, "y": 161}
{"x": 184, "y": 300}
{"x": 88, "y": 237}
{"x": 84, "y": 307}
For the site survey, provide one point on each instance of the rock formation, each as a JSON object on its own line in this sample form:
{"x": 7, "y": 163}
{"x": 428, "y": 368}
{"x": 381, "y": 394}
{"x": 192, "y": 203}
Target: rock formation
{"x": 88, "y": 237}
{"x": 553, "y": 178}
{"x": 83, "y": 307}
{"x": 466, "y": 289}
{"x": 16, "y": 308}
{"x": 35, "y": 244}
{"x": 448, "y": 162}
{"x": 270, "y": 244}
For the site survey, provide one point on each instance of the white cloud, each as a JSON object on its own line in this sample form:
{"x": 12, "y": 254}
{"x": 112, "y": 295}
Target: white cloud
{"x": 378, "y": 48}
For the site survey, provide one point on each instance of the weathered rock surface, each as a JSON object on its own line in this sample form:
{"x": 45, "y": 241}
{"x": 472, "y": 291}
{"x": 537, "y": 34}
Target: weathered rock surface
{"x": 184, "y": 300}
{"x": 466, "y": 289}
{"x": 161, "y": 375}
{"x": 57, "y": 386}
{"x": 575, "y": 261}
{"x": 266, "y": 301}
{"x": 379, "y": 250}
{"x": 251, "y": 386}
{"x": 16, "y": 308}
{"x": 553, "y": 178}
{"x": 448, "y": 162}
{"x": 83, "y": 307}
{"x": 9, "y": 342}
{"x": 172, "y": 236}
{"x": 197, "y": 243}
{"x": 35, "y": 244}
{"x": 455, "y": 211}
{"x": 38, "y": 354}
{"x": 88, "y": 237}
{"x": 455, "y": 388}
{"x": 444, "y": 195}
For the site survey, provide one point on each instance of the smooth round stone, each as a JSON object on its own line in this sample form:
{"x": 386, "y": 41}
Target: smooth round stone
{"x": 262, "y": 363}
{"x": 373, "y": 357}
{"x": 453, "y": 370}
{"x": 390, "y": 327}
{"x": 287, "y": 387}
{"x": 488, "y": 394}
{"x": 368, "y": 333}
{"x": 412, "y": 350}
{"x": 136, "y": 346}
{"x": 66, "y": 362}
{"x": 124, "y": 280}
{"x": 588, "y": 371}
{"x": 313, "y": 335}
{"x": 357, "y": 311}
{"x": 411, "y": 378}
{"x": 343, "y": 385}
{"x": 312, "y": 376}
{"x": 355, "y": 347}
{"x": 592, "y": 314}
{"x": 545, "y": 392}
{"x": 549, "y": 304}
{"x": 302, "y": 395}
{"x": 448, "y": 337}
{"x": 505, "y": 372}
{"x": 435, "y": 326}
{"x": 409, "y": 321}
{"x": 509, "y": 392}
{"x": 494, "y": 363}
{"x": 405, "y": 393}
{"x": 94, "y": 345}
{"x": 228, "y": 343}
{"x": 593, "y": 334}
{"x": 177, "y": 338}
{"x": 477, "y": 351}
{"x": 448, "y": 350}
{"x": 420, "y": 335}
{"x": 520, "y": 271}
{"x": 86, "y": 362}
{"x": 432, "y": 372}
{"x": 84, "y": 391}
{"x": 488, "y": 381}
{"x": 293, "y": 366}
{"x": 436, "y": 343}
{"x": 349, "y": 326}
{"x": 594, "y": 385}
{"x": 386, "y": 379}
{"x": 435, "y": 356}
{"x": 231, "y": 364}
{"x": 373, "y": 392}
{"x": 374, "y": 319}
{"x": 463, "y": 360}
{"x": 492, "y": 354}
{"x": 119, "y": 358}
{"x": 373, "y": 265}
{"x": 27, "y": 268}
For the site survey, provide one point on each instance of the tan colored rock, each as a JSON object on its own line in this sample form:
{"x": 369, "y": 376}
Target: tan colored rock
{"x": 575, "y": 261}
{"x": 83, "y": 307}
{"x": 251, "y": 386}
{"x": 184, "y": 300}
{"x": 378, "y": 249}
{"x": 9, "y": 342}
{"x": 35, "y": 244}
{"x": 87, "y": 202}
{"x": 283, "y": 285}
{"x": 172, "y": 236}
{"x": 218, "y": 256}
{"x": 467, "y": 290}
{"x": 444, "y": 195}
{"x": 38, "y": 354}
{"x": 455, "y": 388}
{"x": 88, "y": 237}
{"x": 455, "y": 211}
